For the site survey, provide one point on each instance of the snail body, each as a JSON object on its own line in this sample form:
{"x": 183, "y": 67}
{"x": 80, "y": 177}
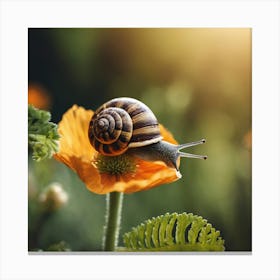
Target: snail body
{"x": 126, "y": 125}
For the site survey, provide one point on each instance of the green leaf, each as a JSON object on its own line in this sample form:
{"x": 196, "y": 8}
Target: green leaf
{"x": 42, "y": 134}
{"x": 174, "y": 232}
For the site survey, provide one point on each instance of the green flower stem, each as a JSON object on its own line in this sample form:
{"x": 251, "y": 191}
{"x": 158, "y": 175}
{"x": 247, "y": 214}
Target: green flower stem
{"x": 113, "y": 218}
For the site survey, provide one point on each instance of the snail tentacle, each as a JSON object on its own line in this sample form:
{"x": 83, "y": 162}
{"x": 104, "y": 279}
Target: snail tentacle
{"x": 191, "y": 144}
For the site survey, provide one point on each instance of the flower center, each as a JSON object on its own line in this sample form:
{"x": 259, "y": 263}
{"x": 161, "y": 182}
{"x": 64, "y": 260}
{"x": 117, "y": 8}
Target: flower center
{"x": 116, "y": 165}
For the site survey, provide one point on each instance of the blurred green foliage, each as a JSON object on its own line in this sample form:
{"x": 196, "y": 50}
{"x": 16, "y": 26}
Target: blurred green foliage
{"x": 198, "y": 84}
{"x": 42, "y": 134}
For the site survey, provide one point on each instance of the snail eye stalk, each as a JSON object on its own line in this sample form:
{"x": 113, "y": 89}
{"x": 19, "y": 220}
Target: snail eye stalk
{"x": 191, "y": 144}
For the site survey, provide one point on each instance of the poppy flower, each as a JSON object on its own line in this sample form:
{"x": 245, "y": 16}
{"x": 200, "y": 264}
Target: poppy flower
{"x": 104, "y": 174}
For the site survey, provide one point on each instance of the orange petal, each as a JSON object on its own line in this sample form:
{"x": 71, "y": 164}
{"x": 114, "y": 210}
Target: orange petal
{"x": 75, "y": 149}
{"x": 148, "y": 175}
{"x": 91, "y": 177}
{"x": 73, "y": 129}
{"x": 167, "y": 136}
{"x": 151, "y": 174}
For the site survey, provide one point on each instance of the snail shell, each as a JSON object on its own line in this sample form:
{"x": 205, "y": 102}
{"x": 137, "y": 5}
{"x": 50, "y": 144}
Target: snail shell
{"x": 123, "y": 123}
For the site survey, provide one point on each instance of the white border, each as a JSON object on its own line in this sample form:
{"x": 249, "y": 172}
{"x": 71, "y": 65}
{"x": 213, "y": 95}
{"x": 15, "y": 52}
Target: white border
{"x": 262, "y": 16}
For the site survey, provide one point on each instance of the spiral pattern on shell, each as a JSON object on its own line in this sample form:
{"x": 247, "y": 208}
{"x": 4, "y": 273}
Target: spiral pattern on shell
{"x": 122, "y": 123}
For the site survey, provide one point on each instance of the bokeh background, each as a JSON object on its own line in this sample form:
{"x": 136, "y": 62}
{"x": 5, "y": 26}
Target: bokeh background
{"x": 197, "y": 82}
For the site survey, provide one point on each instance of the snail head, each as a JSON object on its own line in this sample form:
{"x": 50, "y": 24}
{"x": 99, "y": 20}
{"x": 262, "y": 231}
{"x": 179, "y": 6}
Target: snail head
{"x": 167, "y": 152}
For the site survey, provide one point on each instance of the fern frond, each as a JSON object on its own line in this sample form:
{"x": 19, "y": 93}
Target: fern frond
{"x": 174, "y": 232}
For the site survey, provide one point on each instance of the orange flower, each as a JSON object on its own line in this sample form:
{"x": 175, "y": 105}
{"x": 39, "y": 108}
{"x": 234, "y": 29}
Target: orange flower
{"x": 38, "y": 97}
{"x": 78, "y": 154}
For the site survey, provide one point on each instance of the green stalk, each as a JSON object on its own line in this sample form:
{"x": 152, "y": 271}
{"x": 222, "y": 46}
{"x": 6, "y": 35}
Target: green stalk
{"x": 113, "y": 218}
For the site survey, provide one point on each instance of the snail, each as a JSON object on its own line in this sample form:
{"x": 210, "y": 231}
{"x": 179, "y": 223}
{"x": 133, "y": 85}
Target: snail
{"x": 126, "y": 125}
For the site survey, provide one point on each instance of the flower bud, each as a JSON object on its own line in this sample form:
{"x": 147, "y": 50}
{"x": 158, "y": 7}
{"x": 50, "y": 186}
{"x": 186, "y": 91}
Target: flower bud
{"x": 53, "y": 197}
